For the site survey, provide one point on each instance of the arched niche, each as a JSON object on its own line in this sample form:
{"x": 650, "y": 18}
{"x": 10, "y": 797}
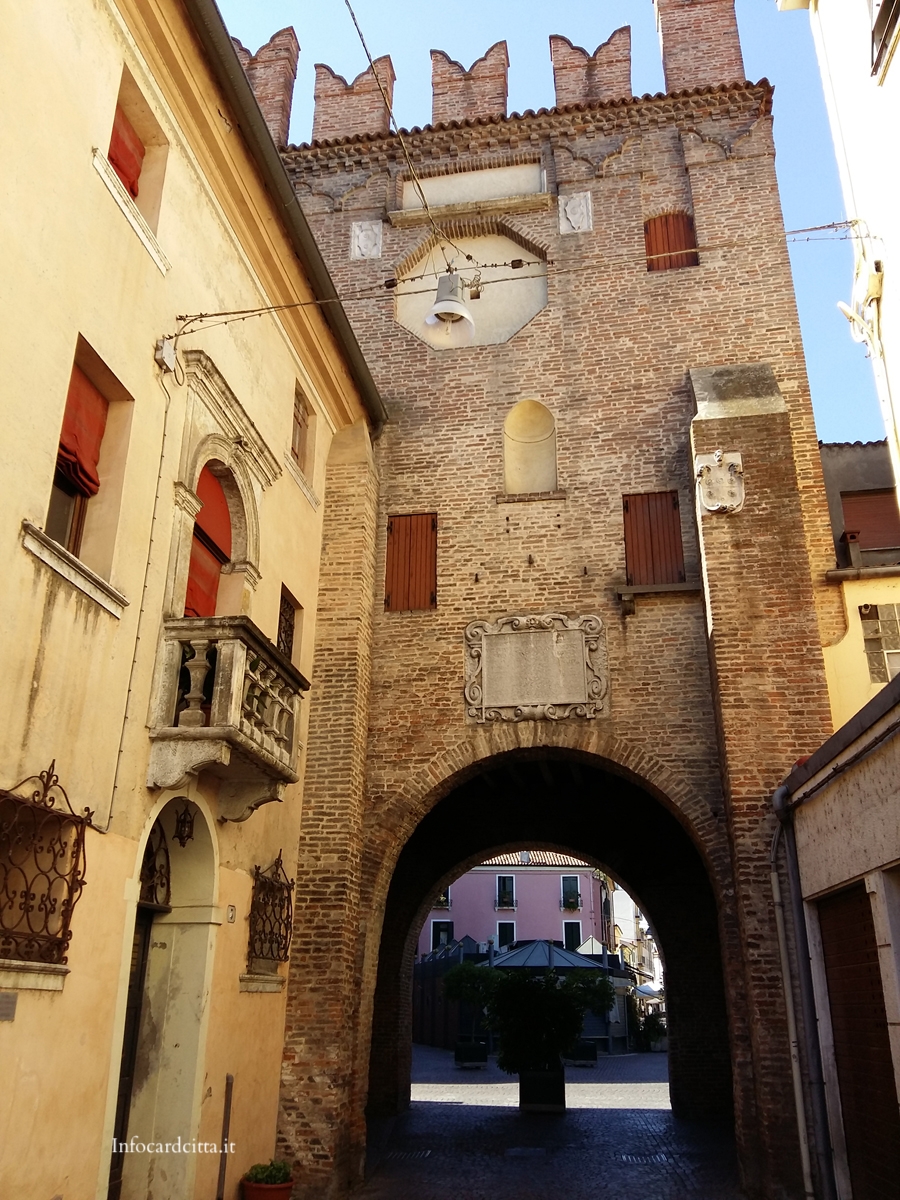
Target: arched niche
{"x": 529, "y": 449}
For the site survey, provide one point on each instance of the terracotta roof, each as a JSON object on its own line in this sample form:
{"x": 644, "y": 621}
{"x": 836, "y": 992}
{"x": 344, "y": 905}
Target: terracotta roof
{"x": 536, "y": 858}
{"x": 597, "y": 106}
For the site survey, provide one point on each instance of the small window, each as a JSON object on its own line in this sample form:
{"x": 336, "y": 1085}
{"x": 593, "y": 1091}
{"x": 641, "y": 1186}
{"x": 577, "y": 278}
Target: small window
{"x": 210, "y": 547}
{"x": 881, "y": 634}
{"x": 441, "y": 934}
{"x": 138, "y": 150}
{"x": 271, "y": 919}
{"x": 529, "y": 449}
{"x": 288, "y": 613}
{"x": 302, "y": 433}
{"x": 874, "y": 516}
{"x": 443, "y": 899}
{"x": 410, "y": 576}
{"x": 653, "y": 550}
{"x": 506, "y": 933}
{"x": 506, "y": 891}
{"x": 670, "y": 242}
{"x": 572, "y": 934}
{"x": 571, "y": 892}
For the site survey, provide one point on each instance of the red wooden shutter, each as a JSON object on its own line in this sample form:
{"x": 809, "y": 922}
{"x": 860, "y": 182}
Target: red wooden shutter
{"x": 410, "y": 577}
{"x": 126, "y": 152}
{"x": 653, "y": 550}
{"x": 874, "y": 516}
{"x": 210, "y": 548}
{"x": 83, "y": 427}
{"x": 214, "y": 519}
{"x": 670, "y": 242}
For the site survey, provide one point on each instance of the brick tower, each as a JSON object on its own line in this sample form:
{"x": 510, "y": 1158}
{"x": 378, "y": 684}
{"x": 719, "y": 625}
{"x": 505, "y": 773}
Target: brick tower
{"x": 573, "y": 595}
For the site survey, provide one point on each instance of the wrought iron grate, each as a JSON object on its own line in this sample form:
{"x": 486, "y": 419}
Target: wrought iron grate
{"x": 271, "y": 914}
{"x": 42, "y": 866}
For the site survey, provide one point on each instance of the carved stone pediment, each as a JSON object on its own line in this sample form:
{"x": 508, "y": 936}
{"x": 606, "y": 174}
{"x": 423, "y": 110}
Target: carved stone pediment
{"x": 545, "y": 667}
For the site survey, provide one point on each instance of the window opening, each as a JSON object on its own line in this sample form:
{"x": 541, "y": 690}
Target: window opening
{"x": 572, "y": 934}
{"x": 441, "y": 934}
{"x": 571, "y": 892}
{"x": 287, "y": 620}
{"x": 653, "y": 549}
{"x": 506, "y": 933}
{"x": 885, "y": 15}
{"x": 76, "y": 479}
{"x": 443, "y": 899}
{"x": 126, "y": 152}
{"x": 302, "y": 432}
{"x": 42, "y": 868}
{"x": 670, "y": 242}
{"x": 156, "y": 875}
{"x": 138, "y": 150}
{"x": 874, "y": 516}
{"x": 881, "y": 637}
{"x": 506, "y": 891}
{"x": 271, "y": 917}
{"x": 410, "y": 582}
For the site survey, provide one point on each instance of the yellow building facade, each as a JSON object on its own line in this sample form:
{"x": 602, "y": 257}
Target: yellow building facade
{"x": 161, "y": 534}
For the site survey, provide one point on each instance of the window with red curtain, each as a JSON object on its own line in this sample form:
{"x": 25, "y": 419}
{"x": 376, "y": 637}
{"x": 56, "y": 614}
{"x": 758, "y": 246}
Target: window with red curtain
{"x": 84, "y": 424}
{"x": 210, "y": 547}
{"x": 126, "y": 152}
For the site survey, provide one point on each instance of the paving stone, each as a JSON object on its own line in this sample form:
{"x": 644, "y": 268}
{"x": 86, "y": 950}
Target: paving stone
{"x": 617, "y": 1139}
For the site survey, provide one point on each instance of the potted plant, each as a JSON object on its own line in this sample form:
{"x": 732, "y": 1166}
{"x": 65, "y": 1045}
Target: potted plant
{"x": 538, "y": 1017}
{"x": 471, "y": 985}
{"x": 268, "y": 1181}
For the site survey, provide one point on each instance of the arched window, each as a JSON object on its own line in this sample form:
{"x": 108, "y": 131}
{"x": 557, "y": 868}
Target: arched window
{"x": 210, "y": 547}
{"x": 529, "y": 449}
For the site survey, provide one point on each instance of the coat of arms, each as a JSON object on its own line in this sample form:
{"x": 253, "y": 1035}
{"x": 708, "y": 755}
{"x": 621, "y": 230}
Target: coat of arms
{"x": 720, "y": 481}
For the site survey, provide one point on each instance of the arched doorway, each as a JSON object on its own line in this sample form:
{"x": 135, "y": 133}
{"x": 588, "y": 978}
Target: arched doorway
{"x": 575, "y": 803}
{"x": 161, "y": 1065}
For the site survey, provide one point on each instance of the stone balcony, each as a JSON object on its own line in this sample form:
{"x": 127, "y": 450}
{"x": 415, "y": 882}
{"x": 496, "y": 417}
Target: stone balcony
{"x": 225, "y": 701}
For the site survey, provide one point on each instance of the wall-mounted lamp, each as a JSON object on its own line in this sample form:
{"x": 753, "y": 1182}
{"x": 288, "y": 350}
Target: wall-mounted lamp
{"x": 451, "y": 311}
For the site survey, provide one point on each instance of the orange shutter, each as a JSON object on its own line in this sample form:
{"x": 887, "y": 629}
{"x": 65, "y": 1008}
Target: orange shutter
{"x": 874, "y": 516}
{"x": 410, "y": 576}
{"x": 83, "y": 427}
{"x": 653, "y": 550}
{"x": 126, "y": 152}
{"x": 670, "y": 242}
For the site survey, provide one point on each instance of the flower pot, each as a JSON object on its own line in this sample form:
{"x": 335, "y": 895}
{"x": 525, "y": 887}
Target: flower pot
{"x": 266, "y": 1191}
{"x": 542, "y": 1091}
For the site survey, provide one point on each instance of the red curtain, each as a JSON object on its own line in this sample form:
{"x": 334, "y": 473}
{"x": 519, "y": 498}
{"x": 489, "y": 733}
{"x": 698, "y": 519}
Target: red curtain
{"x": 211, "y": 547}
{"x": 84, "y": 424}
{"x": 126, "y": 152}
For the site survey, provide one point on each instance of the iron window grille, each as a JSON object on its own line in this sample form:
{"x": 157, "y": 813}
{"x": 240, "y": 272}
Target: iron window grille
{"x": 287, "y": 620}
{"x": 156, "y": 875}
{"x": 42, "y": 868}
{"x": 271, "y": 917}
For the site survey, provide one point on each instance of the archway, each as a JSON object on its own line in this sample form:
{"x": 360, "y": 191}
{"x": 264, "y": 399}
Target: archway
{"x": 578, "y": 804}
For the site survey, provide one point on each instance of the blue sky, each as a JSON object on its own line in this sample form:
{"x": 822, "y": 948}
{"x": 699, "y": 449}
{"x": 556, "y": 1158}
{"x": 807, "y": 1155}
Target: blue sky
{"x": 776, "y": 45}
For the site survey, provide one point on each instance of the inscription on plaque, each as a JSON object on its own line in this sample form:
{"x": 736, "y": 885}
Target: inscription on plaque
{"x": 543, "y": 667}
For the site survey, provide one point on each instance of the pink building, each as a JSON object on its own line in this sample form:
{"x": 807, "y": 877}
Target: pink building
{"x": 520, "y": 897}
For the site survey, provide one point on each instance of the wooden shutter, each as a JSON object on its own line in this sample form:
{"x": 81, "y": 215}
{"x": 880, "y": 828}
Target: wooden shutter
{"x": 653, "y": 551}
{"x": 874, "y": 516}
{"x": 862, "y": 1048}
{"x": 83, "y": 427}
{"x": 410, "y": 577}
{"x": 671, "y": 242}
{"x": 126, "y": 152}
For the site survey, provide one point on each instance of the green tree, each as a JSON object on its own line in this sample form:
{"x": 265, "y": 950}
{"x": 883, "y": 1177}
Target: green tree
{"x": 539, "y": 1015}
{"x": 470, "y": 984}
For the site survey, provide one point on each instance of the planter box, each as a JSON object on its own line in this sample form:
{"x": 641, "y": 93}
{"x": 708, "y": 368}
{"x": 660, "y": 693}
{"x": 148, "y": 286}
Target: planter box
{"x": 266, "y": 1191}
{"x": 542, "y": 1091}
{"x": 583, "y": 1054}
{"x": 470, "y": 1054}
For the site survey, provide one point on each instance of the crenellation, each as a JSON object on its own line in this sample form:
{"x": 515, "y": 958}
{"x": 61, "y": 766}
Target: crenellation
{"x": 347, "y": 110}
{"x": 580, "y": 78}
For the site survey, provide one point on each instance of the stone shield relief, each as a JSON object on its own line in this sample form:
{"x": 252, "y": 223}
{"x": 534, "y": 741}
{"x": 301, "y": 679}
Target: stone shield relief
{"x": 547, "y": 667}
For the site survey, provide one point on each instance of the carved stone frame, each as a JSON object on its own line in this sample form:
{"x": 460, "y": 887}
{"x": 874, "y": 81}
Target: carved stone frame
{"x": 594, "y": 701}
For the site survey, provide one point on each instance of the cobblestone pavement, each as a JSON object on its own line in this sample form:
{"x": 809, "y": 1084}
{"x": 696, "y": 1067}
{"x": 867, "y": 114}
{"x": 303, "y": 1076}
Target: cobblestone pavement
{"x": 464, "y": 1138}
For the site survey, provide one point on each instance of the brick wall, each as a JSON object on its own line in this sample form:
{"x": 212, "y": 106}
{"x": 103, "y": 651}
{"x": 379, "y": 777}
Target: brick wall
{"x": 460, "y": 95}
{"x": 700, "y": 43}
{"x": 609, "y": 355}
{"x": 582, "y": 78}
{"x": 272, "y": 71}
{"x": 343, "y": 109}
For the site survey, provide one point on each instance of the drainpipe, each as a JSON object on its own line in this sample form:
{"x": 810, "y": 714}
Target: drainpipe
{"x": 819, "y": 1111}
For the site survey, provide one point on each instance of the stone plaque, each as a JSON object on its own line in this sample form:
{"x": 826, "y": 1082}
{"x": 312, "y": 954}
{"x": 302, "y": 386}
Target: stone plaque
{"x": 576, "y": 213}
{"x": 544, "y": 667}
{"x": 365, "y": 239}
